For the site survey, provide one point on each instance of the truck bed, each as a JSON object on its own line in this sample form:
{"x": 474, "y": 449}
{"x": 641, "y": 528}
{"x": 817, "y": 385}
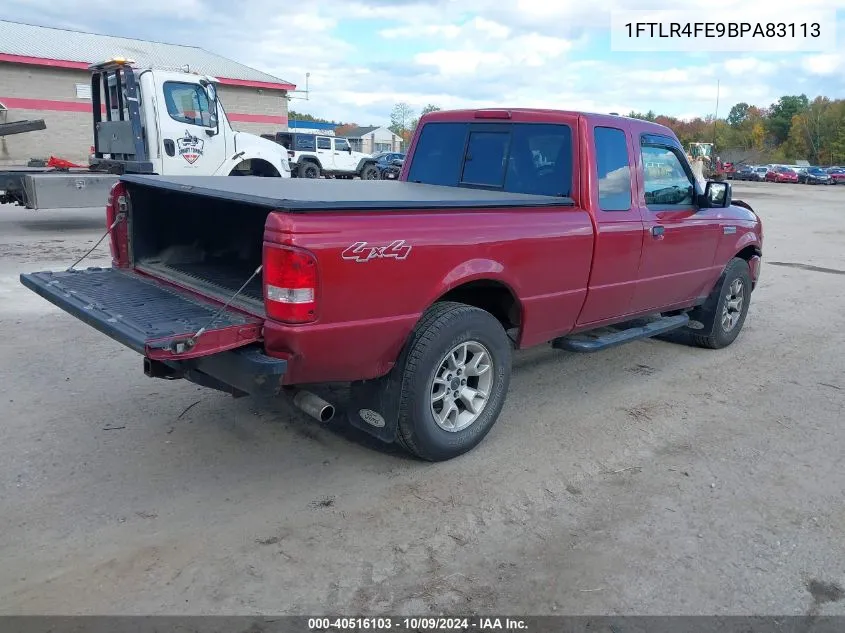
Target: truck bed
{"x": 302, "y": 195}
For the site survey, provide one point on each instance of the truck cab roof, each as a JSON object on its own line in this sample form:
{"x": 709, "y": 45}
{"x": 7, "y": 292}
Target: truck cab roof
{"x": 543, "y": 115}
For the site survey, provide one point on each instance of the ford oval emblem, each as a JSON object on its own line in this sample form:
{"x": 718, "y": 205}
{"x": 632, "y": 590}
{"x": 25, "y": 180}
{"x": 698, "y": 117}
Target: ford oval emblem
{"x": 371, "y": 417}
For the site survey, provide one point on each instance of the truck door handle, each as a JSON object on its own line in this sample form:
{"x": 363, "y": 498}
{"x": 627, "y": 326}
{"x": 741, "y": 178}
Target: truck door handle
{"x": 657, "y": 231}
{"x": 169, "y": 147}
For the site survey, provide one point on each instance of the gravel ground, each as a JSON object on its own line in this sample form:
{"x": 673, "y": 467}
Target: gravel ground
{"x": 655, "y": 478}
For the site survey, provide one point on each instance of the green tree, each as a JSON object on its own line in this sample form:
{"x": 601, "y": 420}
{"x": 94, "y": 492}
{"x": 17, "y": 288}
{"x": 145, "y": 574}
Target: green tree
{"x": 301, "y": 116}
{"x": 401, "y": 118}
{"x": 780, "y": 116}
{"x": 738, "y": 114}
{"x": 648, "y": 116}
{"x": 429, "y": 108}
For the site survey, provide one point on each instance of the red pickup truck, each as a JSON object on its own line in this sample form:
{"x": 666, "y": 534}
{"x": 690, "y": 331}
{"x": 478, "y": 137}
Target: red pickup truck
{"x": 506, "y": 229}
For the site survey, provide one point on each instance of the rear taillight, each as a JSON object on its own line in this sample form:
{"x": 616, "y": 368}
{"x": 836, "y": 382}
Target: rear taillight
{"x": 118, "y": 203}
{"x": 290, "y": 284}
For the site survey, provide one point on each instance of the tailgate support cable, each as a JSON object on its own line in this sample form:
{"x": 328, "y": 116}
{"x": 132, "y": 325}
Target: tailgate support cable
{"x": 193, "y": 339}
{"x": 117, "y": 220}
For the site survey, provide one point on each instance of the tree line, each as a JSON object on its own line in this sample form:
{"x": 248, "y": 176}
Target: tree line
{"x": 792, "y": 128}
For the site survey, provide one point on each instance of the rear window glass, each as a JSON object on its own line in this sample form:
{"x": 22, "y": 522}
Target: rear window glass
{"x": 304, "y": 143}
{"x": 515, "y": 157}
{"x": 484, "y": 163}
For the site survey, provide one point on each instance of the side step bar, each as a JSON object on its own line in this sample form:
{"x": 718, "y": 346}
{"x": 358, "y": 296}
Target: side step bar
{"x": 593, "y": 342}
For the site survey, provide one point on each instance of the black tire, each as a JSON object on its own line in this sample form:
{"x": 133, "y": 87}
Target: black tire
{"x": 309, "y": 170}
{"x": 444, "y": 327}
{"x": 370, "y": 172}
{"x": 716, "y": 334}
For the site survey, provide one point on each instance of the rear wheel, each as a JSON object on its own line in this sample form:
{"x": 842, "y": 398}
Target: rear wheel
{"x": 455, "y": 379}
{"x": 309, "y": 170}
{"x": 723, "y": 313}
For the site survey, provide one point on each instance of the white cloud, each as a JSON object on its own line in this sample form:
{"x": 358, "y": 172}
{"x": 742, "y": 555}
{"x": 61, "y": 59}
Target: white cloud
{"x": 447, "y": 31}
{"x": 831, "y": 64}
{"x": 745, "y": 66}
{"x": 490, "y": 27}
{"x": 456, "y": 53}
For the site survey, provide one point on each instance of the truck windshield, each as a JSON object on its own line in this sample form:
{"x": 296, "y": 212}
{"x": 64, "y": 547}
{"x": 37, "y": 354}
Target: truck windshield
{"x": 534, "y": 158}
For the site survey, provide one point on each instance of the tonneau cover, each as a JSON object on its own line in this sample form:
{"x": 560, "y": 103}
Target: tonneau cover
{"x": 310, "y": 195}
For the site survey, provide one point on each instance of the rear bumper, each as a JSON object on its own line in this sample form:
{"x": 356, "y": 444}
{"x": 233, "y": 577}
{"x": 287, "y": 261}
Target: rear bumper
{"x": 244, "y": 371}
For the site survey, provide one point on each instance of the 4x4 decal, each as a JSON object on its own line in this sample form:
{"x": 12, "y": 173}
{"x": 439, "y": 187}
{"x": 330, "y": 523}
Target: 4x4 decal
{"x": 363, "y": 252}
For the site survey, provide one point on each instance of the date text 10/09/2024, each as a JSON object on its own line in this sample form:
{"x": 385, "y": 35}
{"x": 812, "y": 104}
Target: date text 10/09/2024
{"x": 417, "y": 624}
{"x": 724, "y": 29}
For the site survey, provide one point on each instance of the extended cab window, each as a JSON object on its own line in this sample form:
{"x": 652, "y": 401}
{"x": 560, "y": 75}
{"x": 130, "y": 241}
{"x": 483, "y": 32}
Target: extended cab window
{"x": 665, "y": 181}
{"x": 323, "y": 143}
{"x": 188, "y": 103}
{"x": 614, "y": 172}
{"x": 533, "y": 158}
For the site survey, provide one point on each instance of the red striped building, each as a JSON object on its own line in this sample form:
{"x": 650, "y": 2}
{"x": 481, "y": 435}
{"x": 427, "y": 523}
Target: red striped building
{"x": 43, "y": 75}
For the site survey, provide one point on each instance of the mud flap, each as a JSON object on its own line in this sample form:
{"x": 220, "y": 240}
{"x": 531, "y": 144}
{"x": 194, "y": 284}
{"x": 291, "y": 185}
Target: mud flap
{"x": 374, "y": 405}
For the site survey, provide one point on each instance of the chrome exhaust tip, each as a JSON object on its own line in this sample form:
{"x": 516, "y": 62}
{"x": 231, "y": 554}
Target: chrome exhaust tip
{"x": 314, "y": 406}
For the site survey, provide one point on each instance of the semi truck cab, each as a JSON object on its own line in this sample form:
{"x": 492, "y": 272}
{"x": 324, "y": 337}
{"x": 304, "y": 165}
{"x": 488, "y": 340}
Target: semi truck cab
{"x": 152, "y": 121}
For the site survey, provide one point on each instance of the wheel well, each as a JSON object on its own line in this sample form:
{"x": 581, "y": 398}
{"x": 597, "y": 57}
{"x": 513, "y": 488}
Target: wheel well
{"x": 256, "y": 167}
{"x": 748, "y": 252}
{"x": 492, "y": 296}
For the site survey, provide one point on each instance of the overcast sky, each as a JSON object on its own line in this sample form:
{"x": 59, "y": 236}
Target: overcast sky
{"x": 365, "y": 55}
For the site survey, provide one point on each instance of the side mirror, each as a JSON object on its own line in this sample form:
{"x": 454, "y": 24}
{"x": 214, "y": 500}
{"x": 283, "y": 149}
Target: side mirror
{"x": 717, "y": 195}
{"x": 349, "y": 148}
{"x": 211, "y": 93}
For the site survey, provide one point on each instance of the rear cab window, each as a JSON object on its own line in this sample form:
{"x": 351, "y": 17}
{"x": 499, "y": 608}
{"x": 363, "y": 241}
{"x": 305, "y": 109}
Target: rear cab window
{"x": 532, "y": 158}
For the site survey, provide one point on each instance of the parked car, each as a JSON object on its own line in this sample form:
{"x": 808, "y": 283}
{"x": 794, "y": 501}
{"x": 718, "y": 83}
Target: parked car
{"x": 782, "y": 174}
{"x": 814, "y": 176}
{"x": 314, "y": 155}
{"x": 386, "y": 160}
{"x": 288, "y": 284}
{"x": 758, "y": 174}
{"x": 837, "y": 175}
{"x": 744, "y": 172}
{"x": 393, "y": 170}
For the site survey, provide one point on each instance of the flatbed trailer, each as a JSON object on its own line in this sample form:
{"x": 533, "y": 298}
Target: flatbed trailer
{"x": 51, "y": 188}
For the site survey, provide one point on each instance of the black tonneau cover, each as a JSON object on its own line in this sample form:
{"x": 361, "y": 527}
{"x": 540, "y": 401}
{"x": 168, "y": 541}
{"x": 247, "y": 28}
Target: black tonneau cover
{"x": 309, "y": 195}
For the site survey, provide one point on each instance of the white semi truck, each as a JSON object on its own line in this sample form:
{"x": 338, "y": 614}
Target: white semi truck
{"x": 147, "y": 121}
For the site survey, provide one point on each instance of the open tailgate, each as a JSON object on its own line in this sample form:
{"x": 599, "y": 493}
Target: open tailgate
{"x": 147, "y": 315}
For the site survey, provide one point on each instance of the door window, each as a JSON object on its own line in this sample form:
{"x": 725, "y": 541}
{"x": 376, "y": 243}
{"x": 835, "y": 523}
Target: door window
{"x": 665, "y": 181}
{"x": 188, "y": 103}
{"x": 324, "y": 143}
{"x": 341, "y": 145}
{"x": 614, "y": 173}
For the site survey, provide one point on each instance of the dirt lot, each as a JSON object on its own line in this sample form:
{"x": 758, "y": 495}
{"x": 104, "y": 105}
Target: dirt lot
{"x": 655, "y": 478}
